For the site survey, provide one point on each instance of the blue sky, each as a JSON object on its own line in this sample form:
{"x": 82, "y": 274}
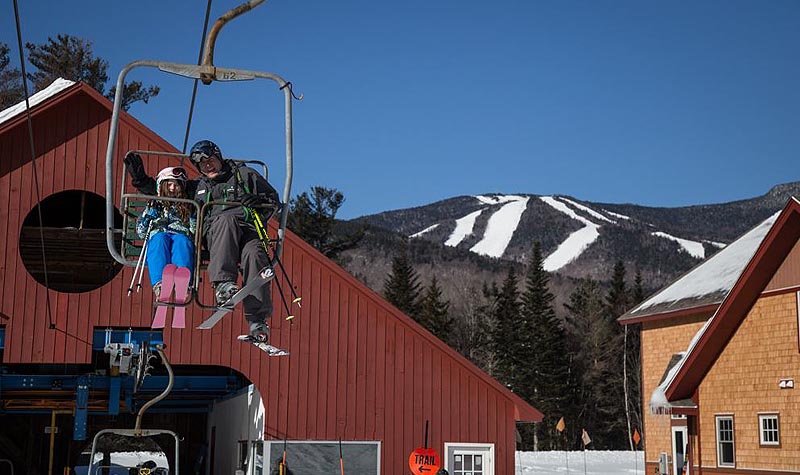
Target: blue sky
{"x": 406, "y": 103}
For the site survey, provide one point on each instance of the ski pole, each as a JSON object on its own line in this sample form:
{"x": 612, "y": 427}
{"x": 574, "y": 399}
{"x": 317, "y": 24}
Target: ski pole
{"x": 264, "y": 237}
{"x": 145, "y": 248}
{"x": 139, "y": 261}
{"x": 295, "y": 298}
{"x": 141, "y": 268}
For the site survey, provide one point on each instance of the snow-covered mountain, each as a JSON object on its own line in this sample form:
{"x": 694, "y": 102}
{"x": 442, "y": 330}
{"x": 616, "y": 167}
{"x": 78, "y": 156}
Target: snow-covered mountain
{"x": 581, "y": 238}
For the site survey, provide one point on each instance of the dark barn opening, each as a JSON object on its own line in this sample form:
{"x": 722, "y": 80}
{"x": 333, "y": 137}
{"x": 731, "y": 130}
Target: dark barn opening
{"x": 74, "y": 242}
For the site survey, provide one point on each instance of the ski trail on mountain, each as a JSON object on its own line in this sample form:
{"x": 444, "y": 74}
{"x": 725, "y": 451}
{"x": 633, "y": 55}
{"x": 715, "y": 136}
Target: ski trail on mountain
{"x": 501, "y": 226}
{"x": 588, "y": 210}
{"x": 428, "y": 229}
{"x": 575, "y": 244}
{"x": 694, "y": 248}
{"x": 463, "y": 228}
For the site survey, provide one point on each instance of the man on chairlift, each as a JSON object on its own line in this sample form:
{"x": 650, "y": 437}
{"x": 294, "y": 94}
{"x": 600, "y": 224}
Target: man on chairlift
{"x": 229, "y": 232}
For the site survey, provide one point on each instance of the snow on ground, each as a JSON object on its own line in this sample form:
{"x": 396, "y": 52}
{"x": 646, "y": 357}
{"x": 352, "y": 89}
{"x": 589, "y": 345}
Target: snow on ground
{"x": 57, "y": 86}
{"x": 718, "y": 273}
{"x": 501, "y": 226}
{"x": 588, "y": 210}
{"x": 429, "y": 228}
{"x": 575, "y": 244}
{"x": 694, "y": 248}
{"x": 463, "y": 228}
{"x": 590, "y": 462}
{"x": 616, "y": 215}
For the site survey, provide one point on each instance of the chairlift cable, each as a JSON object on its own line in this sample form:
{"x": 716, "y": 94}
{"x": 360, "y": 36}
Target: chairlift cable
{"x": 194, "y": 89}
{"x": 33, "y": 161}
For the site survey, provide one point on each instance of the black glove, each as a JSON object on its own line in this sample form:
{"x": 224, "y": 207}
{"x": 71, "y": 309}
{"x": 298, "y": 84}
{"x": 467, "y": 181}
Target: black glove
{"x": 133, "y": 162}
{"x": 251, "y": 199}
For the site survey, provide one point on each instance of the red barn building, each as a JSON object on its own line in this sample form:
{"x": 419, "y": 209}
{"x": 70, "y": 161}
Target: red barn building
{"x": 360, "y": 370}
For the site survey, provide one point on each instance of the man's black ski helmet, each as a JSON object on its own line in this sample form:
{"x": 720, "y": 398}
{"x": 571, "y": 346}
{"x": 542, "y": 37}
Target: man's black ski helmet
{"x": 203, "y": 149}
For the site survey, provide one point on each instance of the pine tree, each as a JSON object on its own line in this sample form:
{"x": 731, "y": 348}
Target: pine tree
{"x": 435, "y": 312}
{"x": 588, "y": 333}
{"x": 72, "y": 58}
{"x": 612, "y": 430}
{"x": 473, "y": 336}
{"x": 401, "y": 287}
{"x": 11, "y": 90}
{"x": 506, "y": 337}
{"x": 633, "y": 359}
{"x": 313, "y": 218}
{"x": 544, "y": 369}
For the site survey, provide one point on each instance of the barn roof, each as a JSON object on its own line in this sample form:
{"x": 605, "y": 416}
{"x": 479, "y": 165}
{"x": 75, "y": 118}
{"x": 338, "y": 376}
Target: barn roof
{"x": 53, "y": 89}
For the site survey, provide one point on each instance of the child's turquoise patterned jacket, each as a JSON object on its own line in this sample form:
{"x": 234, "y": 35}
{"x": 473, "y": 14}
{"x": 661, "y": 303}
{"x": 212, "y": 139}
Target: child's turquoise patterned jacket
{"x": 163, "y": 217}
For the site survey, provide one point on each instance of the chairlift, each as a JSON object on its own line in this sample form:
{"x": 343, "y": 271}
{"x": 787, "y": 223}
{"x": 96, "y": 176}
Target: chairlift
{"x": 131, "y": 246}
{"x": 137, "y": 434}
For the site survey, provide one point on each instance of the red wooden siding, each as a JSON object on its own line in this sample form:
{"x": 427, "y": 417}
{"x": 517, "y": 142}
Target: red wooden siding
{"x": 359, "y": 370}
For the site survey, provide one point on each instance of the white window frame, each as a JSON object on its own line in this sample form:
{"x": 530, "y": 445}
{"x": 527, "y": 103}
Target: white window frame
{"x": 489, "y": 468}
{"x": 761, "y": 432}
{"x": 717, "y": 419}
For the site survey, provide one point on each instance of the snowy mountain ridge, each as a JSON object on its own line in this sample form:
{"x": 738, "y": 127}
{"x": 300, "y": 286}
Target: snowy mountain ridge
{"x": 579, "y": 238}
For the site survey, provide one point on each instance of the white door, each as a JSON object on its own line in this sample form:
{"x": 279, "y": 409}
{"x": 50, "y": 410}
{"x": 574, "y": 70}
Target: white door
{"x": 469, "y": 459}
{"x": 680, "y": 437}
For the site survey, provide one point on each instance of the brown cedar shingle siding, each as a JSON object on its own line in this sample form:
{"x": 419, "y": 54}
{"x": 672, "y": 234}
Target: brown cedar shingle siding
{"x": 360, "y": 370}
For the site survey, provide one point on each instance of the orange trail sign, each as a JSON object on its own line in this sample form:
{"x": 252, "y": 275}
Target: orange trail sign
{"x": 424, "y": 461}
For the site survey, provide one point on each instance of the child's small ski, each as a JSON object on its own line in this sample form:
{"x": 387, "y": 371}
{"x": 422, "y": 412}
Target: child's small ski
{"x": 182, "y": 276}
{"x": 167, "y": 285}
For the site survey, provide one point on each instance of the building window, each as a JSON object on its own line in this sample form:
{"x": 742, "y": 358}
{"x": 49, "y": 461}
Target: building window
{"x": 310, "y": 457}
{"x": 469, "y": 458}
{"x": 725, "y": 443}
{"x": 768, "y": 430}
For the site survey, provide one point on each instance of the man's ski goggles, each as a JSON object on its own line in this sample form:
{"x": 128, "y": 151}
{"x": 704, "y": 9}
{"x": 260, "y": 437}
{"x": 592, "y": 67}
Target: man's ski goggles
{"x": 198, "y": 157}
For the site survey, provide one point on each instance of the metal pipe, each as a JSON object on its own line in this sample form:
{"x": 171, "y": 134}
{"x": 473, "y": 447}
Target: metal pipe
{"x": 138, "y": 428}
{"x": 53, "y": 437}
{"x": 208, "y": 55}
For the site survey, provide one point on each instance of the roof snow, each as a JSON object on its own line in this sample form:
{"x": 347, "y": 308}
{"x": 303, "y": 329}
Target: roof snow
{"x": 57, "y": 86}
{"x": 714, "y": 276}
{"x": 501, "y": 226}
{"x": 429, "y": 228}
{"x": 575, "y": 243}
{"x": 463, "y": 228}
{"x": 694, "y": 248}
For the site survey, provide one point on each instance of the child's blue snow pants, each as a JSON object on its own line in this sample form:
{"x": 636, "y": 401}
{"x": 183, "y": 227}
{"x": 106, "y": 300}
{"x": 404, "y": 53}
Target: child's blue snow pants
{"x": 168, "y": 248}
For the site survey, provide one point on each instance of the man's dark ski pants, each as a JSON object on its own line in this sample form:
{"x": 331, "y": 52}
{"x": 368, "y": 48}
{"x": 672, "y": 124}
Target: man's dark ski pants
{"x": 231, "y": 241}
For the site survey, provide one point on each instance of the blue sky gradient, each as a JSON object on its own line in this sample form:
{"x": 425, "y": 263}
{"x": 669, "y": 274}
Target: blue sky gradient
{"x": 406, "y": 103}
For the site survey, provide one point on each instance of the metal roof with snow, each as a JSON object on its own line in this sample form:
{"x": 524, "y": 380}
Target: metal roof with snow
{"x": 704, "y": 286}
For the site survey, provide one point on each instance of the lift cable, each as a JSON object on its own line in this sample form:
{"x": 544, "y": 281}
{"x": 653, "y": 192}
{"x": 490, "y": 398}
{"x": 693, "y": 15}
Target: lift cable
{"x": 194, "y": 89}
{"x": 33, "y": 161}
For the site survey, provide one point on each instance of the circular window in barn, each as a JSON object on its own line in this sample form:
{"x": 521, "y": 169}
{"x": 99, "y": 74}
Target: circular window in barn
{"x": 75, "y": 253}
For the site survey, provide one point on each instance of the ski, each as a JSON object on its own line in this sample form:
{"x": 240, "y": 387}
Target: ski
{"x": 167, "y": 285}
{"x": 263, "y": 278}
{"x": 182, "y": 277}
{"x": 264, "y": 346}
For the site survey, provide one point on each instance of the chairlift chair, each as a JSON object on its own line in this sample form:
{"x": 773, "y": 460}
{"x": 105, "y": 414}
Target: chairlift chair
{"x": 132, "y": 204}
